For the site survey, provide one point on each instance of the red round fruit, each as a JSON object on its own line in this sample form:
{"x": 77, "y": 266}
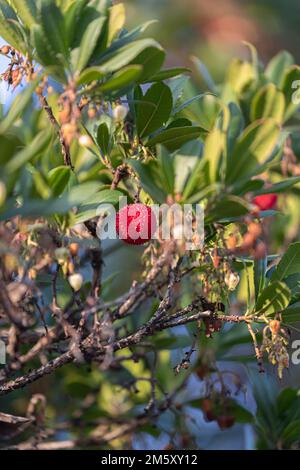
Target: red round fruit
{"x": 136, "y": 224}
{"x": 265, "y": 201}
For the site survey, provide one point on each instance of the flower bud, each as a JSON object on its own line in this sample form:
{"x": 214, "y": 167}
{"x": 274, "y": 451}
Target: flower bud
{"x": 76, "y": 281}
{"x": 274, "y": 326}
{"x": 74, "y": 248}
{"x": 5, "y": 50}
{"x": 120, "y": 113}
{"x": 231, "y": 280}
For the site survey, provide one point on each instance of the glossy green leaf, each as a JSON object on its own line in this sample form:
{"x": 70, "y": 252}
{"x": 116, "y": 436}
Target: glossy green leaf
{"x": 175, "y": 138}
{"x": 18, "y": 106}
{"x": 292, "y": 313}
{"x": 103, "y": 138}
{"x": 58, "y": 179}
{"x": 89, "y": 209}
{"x": 30, "y": 151}
{"x": 127, "y": 54}
{"x": 88, "y": 43}
{"x": 116, "y": 21}
{"x": 213, "y": 153}
{"x": 9, "y": 31}
{"x": 274, "y": 298}
{"x": 227, "y": 208}
{"x": 154, "y": 110}
{"x": 127, "y": 76}
{"x": 280, "y": 187}
{"x": 277, "y": 66}
{"x": 289, "y": 263}
{"x": 169, "y": 73}
{"x": 290, "y": 88}
{"x": 268, "y": 102}
{"x": 51, "y": 21}
{"x": 240, "y": 75}
{"x": 150, "y": 177}
{"x": 253, "y": 148}
{"x": 26, "y": 10}
{"x": 167, "y": 166}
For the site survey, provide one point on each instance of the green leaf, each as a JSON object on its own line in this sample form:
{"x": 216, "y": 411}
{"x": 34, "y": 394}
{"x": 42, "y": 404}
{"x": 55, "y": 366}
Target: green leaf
{"x": 26, "y": 10}
{"x": 274, "y": 298}
{"x": 72, "y": 18}
{"x": 18, "y": 106}
{"x": 289, "y": 263}
{"x": 185, "y": 160}
{"x": 268, "y": 102}
{"x": 277, "y": 66}
{"x": 9, "y": 32}
{"x": 240, "y": 75}
{"x": 127, "y": 76}
{"x": 30, "y": 151}
{"x": 204, "y": 73}
{"x": 150, "y": 177}
{"x": 89, "y": 209}
{"x": 166, "y": 163}
{"x": 291, "y": 433}
{"x": 290, "y": 82}
{"x": 89, "y": 75}
{"x": 213, "y": 152}
{"x": 260, "y": 268}
{"x": 176, "y": 137}
{"x": 88, "y": 43}
{"x": 280, "y": 187}
{"x": 253, "y": 148}
{"x": 127, "y": 55}
{"x": 43, "y": 52}
{"x": 58, "y": 179}
{"x": 234, "y": 127}
{"x": 103, "y": 138}
{"x": 169, "y": 73}
{"x": 227, "y": 208}
{"x": 51, "y": 21}
{"x": 155, "y": 109}
{"x": 44, "y": 208}
{"x": 116, "y": 21}
{"x": 204, "y": 109}
{"x": 292, "y": 313}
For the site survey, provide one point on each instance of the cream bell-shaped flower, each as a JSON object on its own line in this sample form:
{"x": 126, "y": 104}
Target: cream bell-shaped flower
{"x": 120, "y": 112}
{"x": 232, "y": 280}
{"x": 76, "y": 281}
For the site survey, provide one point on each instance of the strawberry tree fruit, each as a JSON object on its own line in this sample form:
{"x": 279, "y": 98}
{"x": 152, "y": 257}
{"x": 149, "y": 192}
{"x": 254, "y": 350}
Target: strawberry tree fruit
{"x": 136, "y": 224}
{"x": 266, "y": 201}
